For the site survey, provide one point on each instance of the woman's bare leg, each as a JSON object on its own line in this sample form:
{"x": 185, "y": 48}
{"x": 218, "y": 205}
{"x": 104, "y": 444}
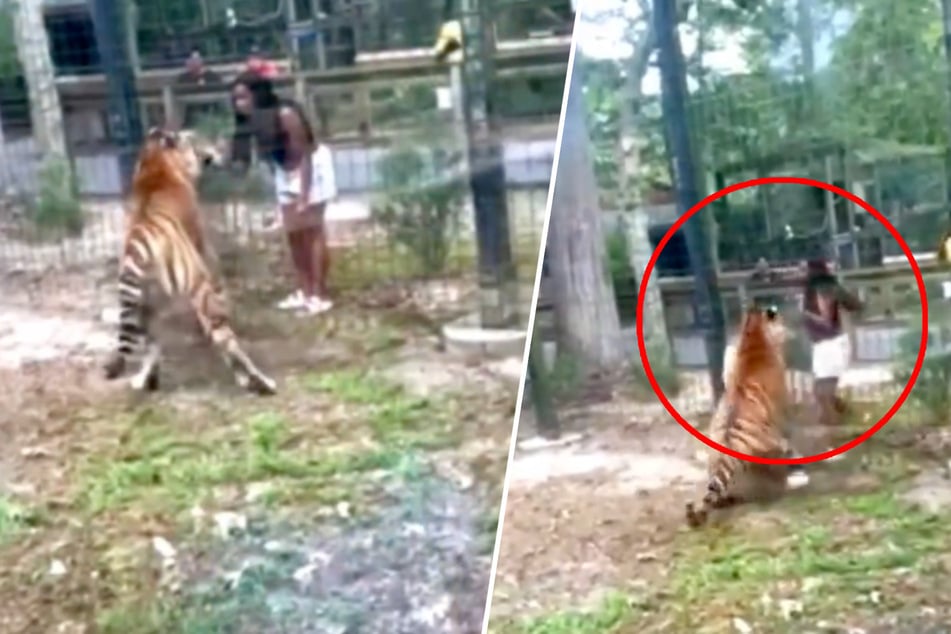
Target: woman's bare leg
{"x": 825, "y": 399}
{"x": 321, "y": 262}
{"x": 300, "y": 260}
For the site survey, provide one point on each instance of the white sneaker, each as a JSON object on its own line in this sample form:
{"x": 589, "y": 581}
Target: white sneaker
{"x": 317, "y": 305}
{"x": 293, "y": 301}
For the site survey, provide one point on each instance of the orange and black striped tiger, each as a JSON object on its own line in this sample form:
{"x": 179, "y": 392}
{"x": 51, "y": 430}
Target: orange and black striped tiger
{"x": 164, "y": 242}
{"x": 750, "y": 416}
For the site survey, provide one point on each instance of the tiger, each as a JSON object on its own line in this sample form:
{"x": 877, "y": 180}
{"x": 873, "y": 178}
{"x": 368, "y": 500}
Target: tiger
{"x": 750, "y": 416}
{"x": 164, "y": 243}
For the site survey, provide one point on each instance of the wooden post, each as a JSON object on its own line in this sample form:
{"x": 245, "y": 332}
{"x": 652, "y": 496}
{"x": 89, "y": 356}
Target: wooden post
{"x": 132, "y": 36}
{"x": 830, "y": 210}
{"x": 546, "y": 415}
{"x": 302, "y": 96}
{"x": 850, "y": 206}
{"x": 168, "y": 106}
{"x": 364, "y": 105}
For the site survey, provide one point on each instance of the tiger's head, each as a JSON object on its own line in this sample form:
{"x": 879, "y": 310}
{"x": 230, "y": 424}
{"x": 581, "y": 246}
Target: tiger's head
{"x": 184, "y": 153}
{"x": 762, "y": 343}
{"x": 944, "y": 248}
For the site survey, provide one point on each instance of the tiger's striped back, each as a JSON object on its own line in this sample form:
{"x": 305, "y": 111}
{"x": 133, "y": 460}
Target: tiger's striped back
{"x": 164, "y": 242}
{"x": 749, "y": 417}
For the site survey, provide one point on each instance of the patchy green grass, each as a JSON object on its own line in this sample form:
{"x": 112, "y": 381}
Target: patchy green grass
{"x": 129, "y": 468}
{"x": 845, "y": 558}
{"x": 162, "y": 463}
{"x": 14, "y": 518}
{"x": 613, "y": 612}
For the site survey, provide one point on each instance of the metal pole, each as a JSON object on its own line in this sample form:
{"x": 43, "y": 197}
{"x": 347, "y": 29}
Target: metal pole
{"x": 946, "y": 14}
{"x": 673, "y": 102}
{"x": 125, "y": 122}
{"x": 498, "y": 290}
{"x": 546, "y": 415}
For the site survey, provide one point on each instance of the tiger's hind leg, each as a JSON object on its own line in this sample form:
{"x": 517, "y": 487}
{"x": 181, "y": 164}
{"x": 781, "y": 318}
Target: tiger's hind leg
{"x": 209, "y": 307}
{"x": 147, "y": 378}
{"x": 134, "y": 332}
{"x": 717, "y": 497}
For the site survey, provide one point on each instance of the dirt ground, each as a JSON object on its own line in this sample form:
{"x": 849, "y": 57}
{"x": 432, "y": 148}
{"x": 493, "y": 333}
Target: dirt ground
{"x": 362, "y": 498}
{"x": 595, "y": 540}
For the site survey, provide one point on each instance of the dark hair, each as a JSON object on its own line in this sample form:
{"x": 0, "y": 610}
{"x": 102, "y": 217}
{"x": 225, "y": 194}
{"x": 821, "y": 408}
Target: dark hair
{"x": 819, "y": 277}
{"x": 264, "y": 126}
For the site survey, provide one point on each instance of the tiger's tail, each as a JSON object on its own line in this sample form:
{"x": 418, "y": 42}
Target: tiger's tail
{"x": 150, "y": 250}
{"x": 724, "y": 469}
{"x": 723, "y": 472}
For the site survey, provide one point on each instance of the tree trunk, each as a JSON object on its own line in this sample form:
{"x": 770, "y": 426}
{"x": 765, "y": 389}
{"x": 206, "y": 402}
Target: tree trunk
{"x": 636, "y": 220}
{"x": 33, "y": 49}
{"x": 585, "y": 308}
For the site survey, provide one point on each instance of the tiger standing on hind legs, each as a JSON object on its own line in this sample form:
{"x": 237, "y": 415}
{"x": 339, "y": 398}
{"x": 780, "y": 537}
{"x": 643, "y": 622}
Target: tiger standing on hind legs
{"x": 164, "y": 242}
{"x": 750, "y": 416}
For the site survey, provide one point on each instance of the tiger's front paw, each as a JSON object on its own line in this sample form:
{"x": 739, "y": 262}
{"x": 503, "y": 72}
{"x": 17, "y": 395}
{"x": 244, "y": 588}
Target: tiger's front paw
{"x": 114, "y": 367}
{"x": 695, "y": 518}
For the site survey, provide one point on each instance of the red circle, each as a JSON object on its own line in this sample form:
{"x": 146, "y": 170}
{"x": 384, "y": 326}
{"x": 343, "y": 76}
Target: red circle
{"x": 769, "y": 181}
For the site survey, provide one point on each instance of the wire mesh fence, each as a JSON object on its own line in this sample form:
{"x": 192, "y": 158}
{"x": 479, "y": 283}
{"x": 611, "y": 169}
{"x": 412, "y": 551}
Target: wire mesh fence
{"x": 366, "y": 76}
{"x": 775, "y": 123}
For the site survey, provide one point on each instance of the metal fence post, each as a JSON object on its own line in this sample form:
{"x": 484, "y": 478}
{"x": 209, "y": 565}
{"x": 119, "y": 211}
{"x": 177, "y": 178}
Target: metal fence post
{"x": 125, "y": 122}
{"x": 497, "y": 283}
{"x": 674, "y": 107}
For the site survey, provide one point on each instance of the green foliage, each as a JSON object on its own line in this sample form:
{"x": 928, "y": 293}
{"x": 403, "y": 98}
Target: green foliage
{"x": 9, "y": 63}
{"x": 218, "y": 185}
{"x": 58, "y": 207}
{"x": 422, "y": 206}
{"x": 403, "y": 105}
{"x": 888, "y": 72}
{"x": 215, "y": 125}
{"x": 933, "y": 388}
{"x": 624, "y": 282}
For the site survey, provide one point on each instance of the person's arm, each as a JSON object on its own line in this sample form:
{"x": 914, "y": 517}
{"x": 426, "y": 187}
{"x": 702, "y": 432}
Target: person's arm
{"x": 849, "y": 301}
{"x": 817, "y": 326}
{"x": 327, "y": 175}
{"x": 300, "y": 146}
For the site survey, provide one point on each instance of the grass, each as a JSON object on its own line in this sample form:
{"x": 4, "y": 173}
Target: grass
{"x": 158, "y": 469}
{"x": 824, "y": 558}
{"x": 14, "y": 519}
{"x": 142, "y": 468}
{"x": 380, "y": 427}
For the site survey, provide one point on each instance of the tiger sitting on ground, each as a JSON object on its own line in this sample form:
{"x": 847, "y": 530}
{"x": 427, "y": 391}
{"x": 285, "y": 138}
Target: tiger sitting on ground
{"x": 164, "y": 242}
{"x": 750, "y": 416}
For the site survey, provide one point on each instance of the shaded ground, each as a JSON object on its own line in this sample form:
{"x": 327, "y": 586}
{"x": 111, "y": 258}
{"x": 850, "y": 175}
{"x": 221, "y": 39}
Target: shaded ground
{"x": 361, "y": 499}
{"x": 595, "y": 539}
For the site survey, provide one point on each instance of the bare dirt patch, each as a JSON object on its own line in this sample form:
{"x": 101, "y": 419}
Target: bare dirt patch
{"x": 202, "y": 509}
{"x": 595, "y": 540}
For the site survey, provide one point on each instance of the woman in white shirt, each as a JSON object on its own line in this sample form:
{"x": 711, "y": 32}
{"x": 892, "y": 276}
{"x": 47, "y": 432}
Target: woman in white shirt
{"x": 304, "y": 180}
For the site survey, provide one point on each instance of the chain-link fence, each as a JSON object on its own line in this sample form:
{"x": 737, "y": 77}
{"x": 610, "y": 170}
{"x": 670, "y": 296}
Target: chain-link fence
{"x": 762, "y": 123}
{"x": 366, "y": 76}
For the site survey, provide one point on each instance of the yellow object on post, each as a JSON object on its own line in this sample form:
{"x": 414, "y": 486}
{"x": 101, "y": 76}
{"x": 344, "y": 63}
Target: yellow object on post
{"x": 449, "y": 41}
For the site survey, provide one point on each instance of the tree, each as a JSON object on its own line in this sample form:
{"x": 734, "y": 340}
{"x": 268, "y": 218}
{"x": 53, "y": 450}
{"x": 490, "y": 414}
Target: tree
{"x": 585, "y": 311}
{"x": 33, "y": 51}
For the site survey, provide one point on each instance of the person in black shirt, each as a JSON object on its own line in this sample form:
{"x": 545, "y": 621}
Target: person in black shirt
{"x": 304, "y": 179}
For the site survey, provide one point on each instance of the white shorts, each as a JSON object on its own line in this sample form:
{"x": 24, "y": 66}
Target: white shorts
{"x": 830, "y": 358}
{"x": 323, "y": 181}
